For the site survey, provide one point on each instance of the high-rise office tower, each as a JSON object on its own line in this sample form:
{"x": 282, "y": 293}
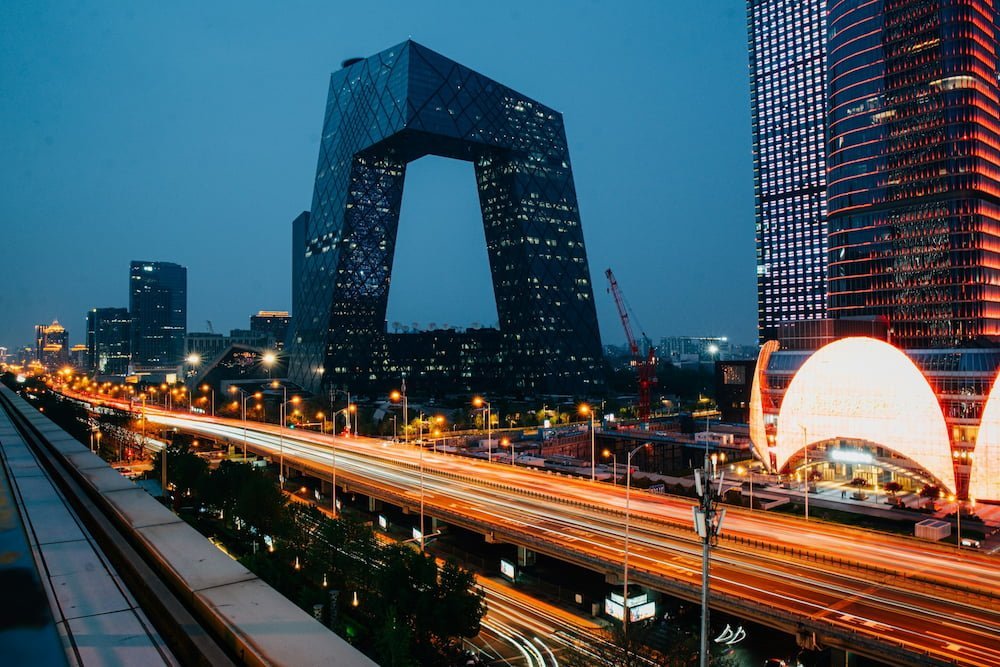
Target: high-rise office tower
{"x": 108, "y": 340}
{"x": 914, "y": 157}
{"x": 396, "y": 107}
{"x": 158, "y": 306}
{"x": 274, "y": 324}
{"x": 52, "y": 344}
{"x": 787, "y": 99}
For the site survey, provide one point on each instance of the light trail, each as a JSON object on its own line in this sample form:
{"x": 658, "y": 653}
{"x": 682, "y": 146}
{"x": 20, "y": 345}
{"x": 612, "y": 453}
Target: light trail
{"x": 923, "y": 584}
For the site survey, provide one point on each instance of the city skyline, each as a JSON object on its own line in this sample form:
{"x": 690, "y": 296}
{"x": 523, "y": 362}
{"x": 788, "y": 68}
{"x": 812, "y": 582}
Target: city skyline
{"x": 203, "y": 157}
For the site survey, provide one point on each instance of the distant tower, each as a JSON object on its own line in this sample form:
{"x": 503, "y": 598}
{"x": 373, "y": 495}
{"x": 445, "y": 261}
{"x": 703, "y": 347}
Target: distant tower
{"x": 108, "y": 340}
{"x": 158, "y": 306}
{"x": 273, "y": 324}
{"x": 52, "y": 343}
{"x": 788, "y": 111}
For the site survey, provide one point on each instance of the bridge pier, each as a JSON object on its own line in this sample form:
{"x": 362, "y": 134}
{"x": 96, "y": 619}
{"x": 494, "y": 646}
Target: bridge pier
{"x": 373, "y": 504}
{"x": 525, "y": 557}
{"x": 842, "y": 658}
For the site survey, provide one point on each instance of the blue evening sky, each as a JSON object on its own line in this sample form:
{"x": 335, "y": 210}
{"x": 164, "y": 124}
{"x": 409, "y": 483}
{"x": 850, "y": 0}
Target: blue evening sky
{"x": 189, "y": 132}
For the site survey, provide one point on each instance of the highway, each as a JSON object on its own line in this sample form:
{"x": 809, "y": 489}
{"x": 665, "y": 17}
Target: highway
{"x": 888, "y": 597}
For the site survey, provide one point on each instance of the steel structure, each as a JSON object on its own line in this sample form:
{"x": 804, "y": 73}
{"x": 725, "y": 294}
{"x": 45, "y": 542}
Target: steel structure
{"x": 398, "y": 106}
{"x": 645, "y": 364}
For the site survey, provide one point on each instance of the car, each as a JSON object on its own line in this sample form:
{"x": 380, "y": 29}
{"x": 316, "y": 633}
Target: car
{"x": 971, "y": 543}
{"x": 775, "y": 662}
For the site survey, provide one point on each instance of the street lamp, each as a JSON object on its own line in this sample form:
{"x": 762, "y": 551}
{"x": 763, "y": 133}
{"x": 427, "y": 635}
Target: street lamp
{"x": 614, "y": 458}
{"x": 268, "y": 359}
{"x": 708, "y": 525}
{"x": 347, "y": 417}
{"x": 805, "y": 465}
{"x": 479, "y": 402}
{"x": 507, "y": 441}
{"x": 243, "y": 400}
{"x": 586, "y": 410}
{"x": 281, "y": 427}
{"x": 748, "y": 472}
{"x": 396, "y": 396}
{"x": 628, "y": 522}
{"x": 205, "y": 388}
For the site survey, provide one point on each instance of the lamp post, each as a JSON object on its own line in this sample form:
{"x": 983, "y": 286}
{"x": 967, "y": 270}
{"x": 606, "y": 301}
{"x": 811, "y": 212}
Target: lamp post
{"x": 958, "y": 516}
{"x": 626, "y": 615}
{"x": 421, "y": 446}
{"x": 507, "y": 441}
{"x": 748, "y": 471}
{"x": 268, "y": 359}
{"x": 333, "y": 456}
{"x": 205, "y": 388}
{"x": 281, "y": 429}
{"x": 586, "y": 410}
{"x": 805, "y": 466}
{"x": 394, "y": 428}
{"x": 614, "y": 458}
{"x": 708, "y": 525}
{"x": 243, "y": 402}
{"x": 396, "y": 396}
{"x": 480, "y": 402}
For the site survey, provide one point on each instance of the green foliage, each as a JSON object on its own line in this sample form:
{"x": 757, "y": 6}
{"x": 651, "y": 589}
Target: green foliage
{"x": 930, "y": 491}
{"x": 892, "y": 487}
{"x": 186, "y": 471}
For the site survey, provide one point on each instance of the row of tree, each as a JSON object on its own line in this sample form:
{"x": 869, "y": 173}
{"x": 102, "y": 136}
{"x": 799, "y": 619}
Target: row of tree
{"x": 390, "y": 600}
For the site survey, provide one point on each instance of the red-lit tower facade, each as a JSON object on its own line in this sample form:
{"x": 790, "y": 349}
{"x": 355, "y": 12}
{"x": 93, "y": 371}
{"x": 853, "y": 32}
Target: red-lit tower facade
{"x": 914, "y": 168}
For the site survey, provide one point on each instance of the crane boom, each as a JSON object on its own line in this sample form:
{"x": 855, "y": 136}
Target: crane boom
{"x": 645, "y": 366}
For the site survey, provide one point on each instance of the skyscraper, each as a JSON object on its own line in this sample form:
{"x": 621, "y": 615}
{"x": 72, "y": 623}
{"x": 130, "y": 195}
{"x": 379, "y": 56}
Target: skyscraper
{"x": 158, "y": 307}
{"x": 273, "y": 323}
{"x": 52, "y": 344}
{"x": 108, "y": 340}
{"x": 787, "y": 100}
{"x": 914, "y": 156}
{"x": 395, "y": 107}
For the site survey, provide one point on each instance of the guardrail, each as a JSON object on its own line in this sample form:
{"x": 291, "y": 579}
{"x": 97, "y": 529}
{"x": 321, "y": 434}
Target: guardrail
{"x": 210, "y": 609}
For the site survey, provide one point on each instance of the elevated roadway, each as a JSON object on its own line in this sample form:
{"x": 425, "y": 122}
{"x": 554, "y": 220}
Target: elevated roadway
{"x": 888, "y": 597}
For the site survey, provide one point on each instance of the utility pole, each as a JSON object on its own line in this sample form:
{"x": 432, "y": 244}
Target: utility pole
{"x": 708, "y": 525}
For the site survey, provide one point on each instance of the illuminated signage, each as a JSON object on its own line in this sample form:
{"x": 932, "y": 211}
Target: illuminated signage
{"x": 507, "y": 570}
{"x": 383, "y": 523}
{"x": 640, "y": 607}
{"x": 417, "y": 534}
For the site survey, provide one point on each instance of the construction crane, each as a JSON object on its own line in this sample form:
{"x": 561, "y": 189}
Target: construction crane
{"x": 645, "y": 363}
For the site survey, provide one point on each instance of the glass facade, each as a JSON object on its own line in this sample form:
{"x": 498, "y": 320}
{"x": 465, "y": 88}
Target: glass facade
{"x": 395, "y": 107}
{"x": 108, "y": 342}
{"x": 914, "y": 160}
{"x": 787, "y": 93}
{"x": 158, "y": 305}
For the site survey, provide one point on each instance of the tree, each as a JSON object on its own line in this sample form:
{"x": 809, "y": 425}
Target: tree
{"x": 892, "y": 488}
{"x": 859, "y": 483}
{"x": 186, "y": 471}
{"x": 930, "y": 491}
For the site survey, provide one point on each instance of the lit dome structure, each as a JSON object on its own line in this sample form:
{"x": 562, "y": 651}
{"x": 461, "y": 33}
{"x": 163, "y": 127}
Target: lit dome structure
{"x": 758, "y": 430}
{"x": 865, "y": 389}
{"x": 984, "y": 480}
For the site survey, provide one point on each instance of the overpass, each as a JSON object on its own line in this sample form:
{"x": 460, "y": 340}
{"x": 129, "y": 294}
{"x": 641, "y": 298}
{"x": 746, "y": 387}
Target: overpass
{"x": 892, "y": 598}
